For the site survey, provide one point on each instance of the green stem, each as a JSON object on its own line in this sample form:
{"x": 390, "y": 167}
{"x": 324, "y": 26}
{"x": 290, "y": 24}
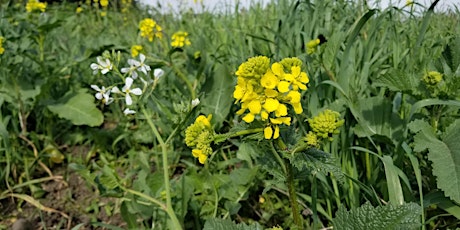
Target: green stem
{"x": 291, "y": 187}
{"x": 164, "y": 154}
{"x": 293, "y": 195}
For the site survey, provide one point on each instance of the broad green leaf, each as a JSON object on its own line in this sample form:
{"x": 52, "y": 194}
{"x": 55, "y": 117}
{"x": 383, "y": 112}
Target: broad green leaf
{"x": 445, "y": 155}
{"x": 219, "y": 91}
{"x": 376, "y": 117}
{"x": 221, "y": 224}
{"x": 80, "y": 110}
{"x": 314, "y": 160}
{"x": 406, "y": 216}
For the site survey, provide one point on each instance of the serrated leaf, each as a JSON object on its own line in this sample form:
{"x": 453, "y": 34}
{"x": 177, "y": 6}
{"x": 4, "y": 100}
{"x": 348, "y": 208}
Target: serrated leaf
{"x": 218, "y": 99}
{"x": 80, "y": 110}
{"x": 406, "y": 216}
{"x": 315, "y": 160}
{"x": 445, "y": 156}
{"x": 397, "y": 80}
{"x": 221, "y": 224}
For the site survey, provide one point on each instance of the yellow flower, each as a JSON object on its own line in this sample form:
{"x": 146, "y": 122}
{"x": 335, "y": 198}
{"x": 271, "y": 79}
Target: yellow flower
{"x": 179, "y": 39}
{"x": 432, "y": 78}
{"x": 2, "y": 50}
{"x": 104, "y": 3}
{"x": 197, "y": 153}
{"x": 35, "y": 5}
{"x": 269, "y": 80}
{"x": 150, "y": 29}
{"x": 103, "y": 13}
{"x": 135, "y": 50}
{"x": 199, "y": 135}
{"x": 79, "y": 10}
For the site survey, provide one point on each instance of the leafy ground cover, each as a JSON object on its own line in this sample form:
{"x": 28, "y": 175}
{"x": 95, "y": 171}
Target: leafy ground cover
{"x": 295, "y": 115}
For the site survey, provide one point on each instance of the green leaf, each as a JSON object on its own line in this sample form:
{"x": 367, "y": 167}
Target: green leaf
{"x": 375, "y": 117}
{"x": 406, "y": 216}
{"x": 220, "y": 224}
{"x": 315, "y": 160}
{"x": 445, "y": 155}
{"x": 398, "y": 80}
{"x": 80, "y": 110}
{"x": 218, "y": 99}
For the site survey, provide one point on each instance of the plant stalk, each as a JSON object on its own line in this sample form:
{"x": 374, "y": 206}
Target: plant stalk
{"x": 164, "y": 154}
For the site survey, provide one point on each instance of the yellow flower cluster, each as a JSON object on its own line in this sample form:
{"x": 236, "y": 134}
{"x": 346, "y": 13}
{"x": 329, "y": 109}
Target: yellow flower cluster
{"x": 432, "y": 78}
{"x": 266, "y": 91}
{"x": 199, "y": 136}
{"x": 150, "y": 29}
{"x": 35, "y": 5}
{"x": 135, "y": 50}
{"x": 325, "y": 125}
{"x": 2, "y": 50}
{"x": 179, "y": 39}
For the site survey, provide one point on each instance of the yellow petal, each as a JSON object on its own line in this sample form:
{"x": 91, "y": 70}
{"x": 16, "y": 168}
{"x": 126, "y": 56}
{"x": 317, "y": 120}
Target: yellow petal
{"x": 264, "y": 115}
{"x": 283, "y": 86}
{"x": 297, "y": 108}
{"x": 268, "y": 132}
{"x": 277, "y": 69}
{"x": 197, "y": 152}
{"x": 269, "y": 80}
{"x": 271, "y": 104}
{"x": 254, "y": 106}
{"x": 248, "y": 118}
{"x": 202, "y": 158}
{"x": 294, "y": 97}
{"x": 271, "y": 93}
{"x": 277, "y": 132}
{"x": 281, "y": 111}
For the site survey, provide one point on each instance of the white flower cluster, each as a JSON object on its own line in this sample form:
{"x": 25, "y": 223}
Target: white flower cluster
{"x": 129, "y": 74}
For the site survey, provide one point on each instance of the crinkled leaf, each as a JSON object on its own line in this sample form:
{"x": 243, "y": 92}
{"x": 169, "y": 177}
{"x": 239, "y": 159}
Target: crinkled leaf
{"x": 406, "y": 216}
{"x": 445, "y": 155}
{"x": 314, "y": 160}
{"x": 80, "y": 110}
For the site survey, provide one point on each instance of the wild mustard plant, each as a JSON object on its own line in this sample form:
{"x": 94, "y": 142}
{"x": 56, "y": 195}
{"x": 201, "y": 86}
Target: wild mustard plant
{"x": 180, "y": 39}
{"x": 150, "y": 29}
{"x": 267, "y": 92}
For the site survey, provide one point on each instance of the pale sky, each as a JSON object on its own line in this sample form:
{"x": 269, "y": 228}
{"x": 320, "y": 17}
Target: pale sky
{"x": 219, "y": 5}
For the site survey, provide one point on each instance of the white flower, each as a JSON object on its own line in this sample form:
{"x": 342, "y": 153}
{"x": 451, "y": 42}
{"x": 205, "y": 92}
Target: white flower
{"x": 129, "y": 111}
{"x": 157, "y": 73}
{"x": 133, "y": 64}
{"x": 195, "y": 102}
{"x": 142, "y": 66}
{"x": 102, "y": 94}
{"x": 104, "y": 65}
{"x": 127, "y": 90}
